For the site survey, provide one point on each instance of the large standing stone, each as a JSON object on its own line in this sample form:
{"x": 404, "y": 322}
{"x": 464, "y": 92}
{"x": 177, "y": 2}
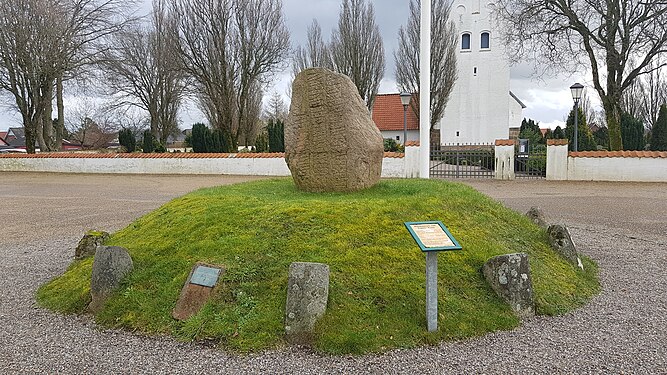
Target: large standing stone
{"x": 509, "y": 277}
{"x": 307, "y": 294}
{"x": 331, "y": 142}
{"x": 561, "y": 241}
{"x": 89, "y": 244}
{"x": 536, "y": 215}
{"x": 110, "y": 265}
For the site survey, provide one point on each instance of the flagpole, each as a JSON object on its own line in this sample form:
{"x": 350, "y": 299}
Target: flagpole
{"x": 425, "y": 90}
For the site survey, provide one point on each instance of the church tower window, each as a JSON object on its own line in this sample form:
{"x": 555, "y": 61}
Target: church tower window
{"x": 484, "y": 43}
{"x": 465, "y": 41}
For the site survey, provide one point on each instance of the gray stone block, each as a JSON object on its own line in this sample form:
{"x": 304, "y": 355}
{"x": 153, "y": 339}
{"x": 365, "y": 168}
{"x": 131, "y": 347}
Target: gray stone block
{"x": 89, "y": 243}
{"x": 110, "y": 266}
{"x": 536, "y": 215}
{"x": 331, "y": 141}
{"x": 509, "y": 276}
{"x": 561, "y": 241}
{"x": 307, "y": 295}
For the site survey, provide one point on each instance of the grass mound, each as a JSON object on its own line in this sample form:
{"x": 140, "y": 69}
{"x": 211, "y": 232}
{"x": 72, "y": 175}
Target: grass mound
{"x": 376, "y": 297}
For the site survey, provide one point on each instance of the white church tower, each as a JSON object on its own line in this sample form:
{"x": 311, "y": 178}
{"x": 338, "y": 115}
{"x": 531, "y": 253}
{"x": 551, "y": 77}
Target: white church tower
{"x": 481, "y": 107}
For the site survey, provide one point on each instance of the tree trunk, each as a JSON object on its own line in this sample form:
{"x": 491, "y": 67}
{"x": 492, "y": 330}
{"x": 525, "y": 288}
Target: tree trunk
{"x": 60, "y": 125}
{"x": 30, "y": 136}
{"x": 612, "y": 112}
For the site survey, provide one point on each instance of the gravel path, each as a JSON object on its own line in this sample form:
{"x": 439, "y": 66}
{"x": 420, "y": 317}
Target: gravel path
{"x": 623, "y": 330}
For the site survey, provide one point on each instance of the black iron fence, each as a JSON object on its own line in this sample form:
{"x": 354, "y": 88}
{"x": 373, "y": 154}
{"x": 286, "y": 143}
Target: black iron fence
{"x": 531, "y": 163}
{"x": 463, "y": 161}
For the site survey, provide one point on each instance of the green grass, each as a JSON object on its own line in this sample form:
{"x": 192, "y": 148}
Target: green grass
{"x": 376, "y": 297}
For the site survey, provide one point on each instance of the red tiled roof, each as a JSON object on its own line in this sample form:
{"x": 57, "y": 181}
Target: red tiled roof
{"x": 557, "y": 142}
{"x": 388, "y": 113}
{"x": 412, "y": 144}
{"x": 175, "y": 155}
{"x": 504, "y": 142}
{"x": 619, "y": 154}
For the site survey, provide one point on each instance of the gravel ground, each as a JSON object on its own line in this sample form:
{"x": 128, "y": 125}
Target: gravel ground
{"x": 623, "y": 330}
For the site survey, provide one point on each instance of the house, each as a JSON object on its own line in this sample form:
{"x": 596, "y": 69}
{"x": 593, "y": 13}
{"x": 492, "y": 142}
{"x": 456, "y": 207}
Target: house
{"x": 388, "y": 116}
{"x": 15, "y": 137}
{"x": 2, "y": 139}
{"x": 481, "y": 107}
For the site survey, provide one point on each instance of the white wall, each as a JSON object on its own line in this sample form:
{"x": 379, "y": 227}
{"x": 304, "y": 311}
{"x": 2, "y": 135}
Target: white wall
{"x": 247, "y": 166}
{"x": 413, "y": 135}
{"x": 617, "y": 169}
{"x": 479, "y": 105}
{"x": 606, "y": 166}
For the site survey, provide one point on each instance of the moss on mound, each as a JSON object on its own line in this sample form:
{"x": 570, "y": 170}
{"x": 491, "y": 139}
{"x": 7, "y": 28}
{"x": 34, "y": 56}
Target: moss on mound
{"x": 376, "y": 297}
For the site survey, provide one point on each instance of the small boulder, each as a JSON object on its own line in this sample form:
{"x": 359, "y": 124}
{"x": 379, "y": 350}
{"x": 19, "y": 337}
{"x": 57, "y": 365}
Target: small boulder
{"x": 110, "y": 266}
{"x": 536, "y": 215}
{"x": 561, "y": 241}
{"x": 509, "y": 276}
{"x": 89, "y": 244}
{"x": 331, "y": 141}
{"x": 307, "y": 295}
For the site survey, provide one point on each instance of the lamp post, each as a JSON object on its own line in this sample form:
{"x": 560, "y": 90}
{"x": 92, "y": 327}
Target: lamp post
{"x": 405, "y": 100}
{"x": 577, "y": 89}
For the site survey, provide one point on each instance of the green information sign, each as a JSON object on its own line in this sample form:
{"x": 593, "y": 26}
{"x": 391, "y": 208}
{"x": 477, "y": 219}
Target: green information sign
{"x": 432, "y": 236}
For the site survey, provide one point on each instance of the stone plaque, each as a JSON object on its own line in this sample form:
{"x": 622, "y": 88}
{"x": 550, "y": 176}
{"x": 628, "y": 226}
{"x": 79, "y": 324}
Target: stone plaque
{"x": 205, "y": 276}
{"x": 432, "y": 236}
{"x": 197, "y": 290}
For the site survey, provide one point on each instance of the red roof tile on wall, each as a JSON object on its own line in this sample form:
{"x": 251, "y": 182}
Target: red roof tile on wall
{"x": 388, "y": 113}
{"x": 175, "y": 155}
{"x": 619, "y": 154}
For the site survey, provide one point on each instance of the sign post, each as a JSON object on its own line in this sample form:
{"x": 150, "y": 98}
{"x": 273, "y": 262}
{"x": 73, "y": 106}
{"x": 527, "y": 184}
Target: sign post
{"x": 432, "y": 237}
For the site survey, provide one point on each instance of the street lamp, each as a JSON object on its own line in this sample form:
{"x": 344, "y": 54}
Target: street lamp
{"x": 577, "y": 89}
{"x": 405, "y": 100}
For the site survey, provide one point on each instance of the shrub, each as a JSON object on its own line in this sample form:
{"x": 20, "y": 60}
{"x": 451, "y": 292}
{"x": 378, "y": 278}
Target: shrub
{"x": 632, "y": 133}
{"x": 149, "y": 142}
{"x": 262, "y": 143}
{"x": 390, "y": 145}
{"x": 276, "y": 132}
{"x": 127, "y": 140}
{"x": 198, "y": 137}
{"x": 659, "y": 133}
{"x": 585, "y": 141}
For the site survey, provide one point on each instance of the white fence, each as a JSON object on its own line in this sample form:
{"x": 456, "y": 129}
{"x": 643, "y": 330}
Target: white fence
{"x": 393, "y": 164}
{"x": 637, "y": 166}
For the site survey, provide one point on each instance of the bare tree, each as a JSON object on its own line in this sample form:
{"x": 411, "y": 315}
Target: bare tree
{"x": 605, "y": 36}
{"x": 357, "y": 49}
{"x": 229, "y": 47}
{"x": 144, "y": 68}
{"x": 91, "y": 124}
{"x": 249, "y": 128}
{"x": 643, "y": 98}
{"x": 443, "y": 57}
{"x": 316, "y": 53}
{"x": 41, "y": 42}
{"x": 276, "y": 108}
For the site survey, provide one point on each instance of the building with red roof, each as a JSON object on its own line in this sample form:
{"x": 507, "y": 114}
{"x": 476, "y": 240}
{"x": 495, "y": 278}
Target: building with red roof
{"x": 388, "y": 116}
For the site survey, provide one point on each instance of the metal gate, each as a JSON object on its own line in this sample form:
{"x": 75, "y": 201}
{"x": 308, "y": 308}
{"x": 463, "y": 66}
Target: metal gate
{"x": 463, "y": 161}
{"x": 530, "y": 161}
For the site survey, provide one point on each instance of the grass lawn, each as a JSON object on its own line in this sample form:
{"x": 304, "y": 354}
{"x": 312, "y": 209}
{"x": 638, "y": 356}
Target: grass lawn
{"x": 376, "y": 297}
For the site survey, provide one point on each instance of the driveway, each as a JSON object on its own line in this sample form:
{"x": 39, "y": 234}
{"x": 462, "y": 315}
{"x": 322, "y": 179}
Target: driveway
{"x": 623, "y": 330}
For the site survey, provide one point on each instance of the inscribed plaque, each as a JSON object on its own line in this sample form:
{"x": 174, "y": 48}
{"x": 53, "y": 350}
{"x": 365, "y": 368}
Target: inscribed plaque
{"x": 432, "y": 235}
{"x": 205, "y": 276}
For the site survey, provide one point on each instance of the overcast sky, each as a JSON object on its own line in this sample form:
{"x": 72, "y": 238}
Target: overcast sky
{"x": 547, "y": 100}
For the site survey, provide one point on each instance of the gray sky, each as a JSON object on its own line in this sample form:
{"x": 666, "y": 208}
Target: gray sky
{"x": 548, "y": 100}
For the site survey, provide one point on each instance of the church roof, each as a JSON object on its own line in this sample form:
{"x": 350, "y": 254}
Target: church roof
{"x": 517, "y": 100}
{"x": 388, "y": 113}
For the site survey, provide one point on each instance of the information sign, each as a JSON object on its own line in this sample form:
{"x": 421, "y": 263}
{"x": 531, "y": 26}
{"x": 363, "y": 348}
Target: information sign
{"x": 432, "y": 236}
